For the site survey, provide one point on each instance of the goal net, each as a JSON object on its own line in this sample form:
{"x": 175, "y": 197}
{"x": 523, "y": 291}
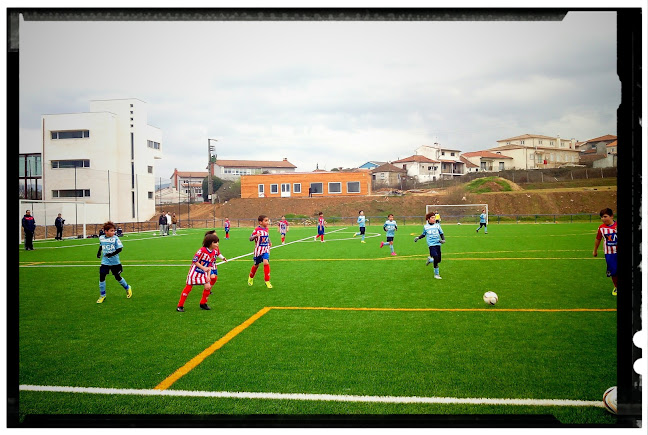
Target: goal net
{"x": 458, "y": 213}
{"x": 45, "y": 214}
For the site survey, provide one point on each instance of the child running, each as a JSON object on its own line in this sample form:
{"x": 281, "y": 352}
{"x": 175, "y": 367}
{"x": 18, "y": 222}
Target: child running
{"x": 434, "y": 236}
{"x": 283, "y": 229}
{"x": 361, "y": 226}
{"x": 202, "y": 271}
{"x": 608, "y": 231}
{"x": 391, "y": 227}
{"x": 261, "y": 253}
{"x": 482, "y": 222}
{"x": 227, "y": 227}
{"x": 320, "y": 227}
{"x": 109, "y": 248}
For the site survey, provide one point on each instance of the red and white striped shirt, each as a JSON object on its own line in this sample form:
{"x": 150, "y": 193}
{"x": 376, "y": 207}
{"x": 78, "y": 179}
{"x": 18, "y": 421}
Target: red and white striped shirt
{"x": 320, "y": 222}
{"x": 206, "y": 258}
{"x": 262, "y": 241}
{"x": 609, "y": 233}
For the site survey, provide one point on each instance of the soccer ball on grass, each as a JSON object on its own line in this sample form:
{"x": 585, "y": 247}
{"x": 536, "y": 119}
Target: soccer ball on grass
{"x": 490, "y": 298}
{"x": 610, "y": 399}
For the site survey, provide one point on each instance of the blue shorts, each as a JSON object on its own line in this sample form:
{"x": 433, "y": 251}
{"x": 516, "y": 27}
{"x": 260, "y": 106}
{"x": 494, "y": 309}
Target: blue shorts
{"x": 611, "y": 260}
{"x": 320, "y": 231}
{"x": 362, "y": 230}
{"x": 283, "y": 234}
{"x": 390, "y": 239}
{"x": 260, "y": 258}
{"x": 435, "y": 252}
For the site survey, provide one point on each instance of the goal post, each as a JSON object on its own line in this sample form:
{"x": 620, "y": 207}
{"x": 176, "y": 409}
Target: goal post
{"x": 458, "y": 213}
{"x": 46, "y": 212}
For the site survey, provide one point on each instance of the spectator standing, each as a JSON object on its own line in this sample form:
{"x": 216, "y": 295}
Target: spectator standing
{"x": 58, "y": 222}
{"x": 162, "y": 222}
{"x": 168, "y": 223}
{"x": 29, "y": 225}
{"x": 174, "y": 223}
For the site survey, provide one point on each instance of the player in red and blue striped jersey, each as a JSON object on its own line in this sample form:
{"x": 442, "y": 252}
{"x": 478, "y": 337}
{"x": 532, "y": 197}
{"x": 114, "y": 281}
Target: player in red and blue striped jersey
{"x": 203, "y": 271}
{"x": 320, "y": 227}
{"x": 283, "y": 229}
{"x": 608, "y": 231}
{"x": 261, "y": 253}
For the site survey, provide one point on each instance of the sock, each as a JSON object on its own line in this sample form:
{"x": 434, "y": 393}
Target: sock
{"x": 436, "y": 270}
{"x": 391, "y": 247}
{"x": 205, "y": 295}
{"x": 614, "y": 280}
{"x": 253, "y": 270}
{"x": 283, "y": 239}
{"x": 214, "y": 278}
{"x": 185, "y": 293}
{"x": 124, "y": 283}
{"x": 266, "y": 272}
{"x": 102, "y": 288}
{"x": 363, "y": 237}
{"x": 322, "y": 237}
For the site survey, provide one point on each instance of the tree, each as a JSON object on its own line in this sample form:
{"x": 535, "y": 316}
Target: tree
{"x": 216, "y": 184}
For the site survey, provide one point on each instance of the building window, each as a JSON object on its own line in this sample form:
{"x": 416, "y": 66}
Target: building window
{"x": 404, "y": 166}
{"x": 71, "y": 193}
{"x": 261, "y": 189}
{"x": 150, "y": 195}
{"x": 452, "y": 154}
{"x": 152, "y": 144}
{"x": 443, "y": 153}
{"x": 150, "y": 169}
{"x": 65, "y": 164}
{"x": 501, "y": 166}
{"x": 73, "y": 134}
{"x": 539, "y": 142}
{"x": 335, "y": 187}
{"x": 551, "y": 143}
{"x": 353, "y": 187}
{"x": 274, "y": 188}
{"x": 317, "y": 188}
{"x": 297, "y": 187}
{"x": 482, "y": 166}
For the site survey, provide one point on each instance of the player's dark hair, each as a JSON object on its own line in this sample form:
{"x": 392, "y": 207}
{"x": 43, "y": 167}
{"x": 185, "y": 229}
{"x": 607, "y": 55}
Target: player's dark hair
{"x": 320, "y": 213}
{"x": 360, "y": 211}
{"x": 428, "y": 216}
{"x": 210, "y": 232}
{"x": 261, "y": 217}
{"x": 108, "y": 225}
{"x": 390, "y": 214}
{"x": 607, "y": 211}
{"x": 209, "y": 239}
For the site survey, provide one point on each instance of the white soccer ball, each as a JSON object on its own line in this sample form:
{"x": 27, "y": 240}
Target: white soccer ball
{"x": 490, "y": 298}
{"x": 610, "y": 399}
{"x": 458, "y": 223}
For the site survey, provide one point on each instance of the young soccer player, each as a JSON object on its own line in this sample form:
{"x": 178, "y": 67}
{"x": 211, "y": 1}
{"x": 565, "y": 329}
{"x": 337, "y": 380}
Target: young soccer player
{"x": 361, "y": 225}
{"x": 608, "y": 231}
{"x": 283, "y": 229}
{"x": 202, "y": 271}
{"x": 391, "y": 227}
{"x": 320, "y": 227}
{"x": 227, "y": 227}
{"x": 109, "y": 248}
{"x": 261, "y": 254}
{"x": 434, "y": 236}
{"x": 482, "y": 221}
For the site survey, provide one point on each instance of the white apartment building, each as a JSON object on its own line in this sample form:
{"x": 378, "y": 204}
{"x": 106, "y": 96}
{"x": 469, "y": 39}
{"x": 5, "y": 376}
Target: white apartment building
{"x": 104, "y": 157}
{"x": 451, "y": 164}
{"x": 530, "y": 151}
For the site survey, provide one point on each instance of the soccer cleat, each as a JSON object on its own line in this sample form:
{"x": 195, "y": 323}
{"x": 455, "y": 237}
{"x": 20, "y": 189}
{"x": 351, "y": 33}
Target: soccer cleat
{"x": 362, "y": 241}
{"x": 437, "y": 276}
{"x": 267, "y": 283}
{"x": 250, "y": 281}
{"x": 393, "y": 253}
{"x": 485, "y": 232}
{"x": 101, "y": 299}
{"x": 429, "y": 260}
{"x": 354, "y": 234}
{"x": 129, "y": 292}
{"x": 180, "y": 309}
{"x": 382, "y": 244}
{"x": 205, "y": 307}
{"x": 476, "y": 231}
{"x": 614, "y": 292}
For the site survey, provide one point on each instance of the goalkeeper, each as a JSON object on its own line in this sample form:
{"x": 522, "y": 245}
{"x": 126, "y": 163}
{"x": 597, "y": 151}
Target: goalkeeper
{"x": 434, "y": 236}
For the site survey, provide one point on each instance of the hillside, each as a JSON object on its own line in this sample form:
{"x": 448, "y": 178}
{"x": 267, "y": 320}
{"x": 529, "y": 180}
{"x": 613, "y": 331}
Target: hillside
{"x": 500, "y": 200}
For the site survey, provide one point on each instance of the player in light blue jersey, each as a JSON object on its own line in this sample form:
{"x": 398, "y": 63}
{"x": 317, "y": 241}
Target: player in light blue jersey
{"x": 109, "y": 248}
{"x": 361, "y": 226}
{"x": 390, "y": 227}
{"x": 482, "y": 222}
{"x": 434, "y": 236}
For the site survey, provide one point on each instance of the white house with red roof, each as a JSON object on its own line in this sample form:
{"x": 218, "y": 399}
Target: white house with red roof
{"x": 233, "y": 169}
{"x": 488, "y": 161}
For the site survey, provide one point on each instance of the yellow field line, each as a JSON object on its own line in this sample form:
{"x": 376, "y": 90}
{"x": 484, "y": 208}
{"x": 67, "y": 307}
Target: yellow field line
{"x": 450, "y": 309}
{"x": 211, "y": 349}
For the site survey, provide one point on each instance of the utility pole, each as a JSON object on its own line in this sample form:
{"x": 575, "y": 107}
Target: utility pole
{"x": 210, "y": 148}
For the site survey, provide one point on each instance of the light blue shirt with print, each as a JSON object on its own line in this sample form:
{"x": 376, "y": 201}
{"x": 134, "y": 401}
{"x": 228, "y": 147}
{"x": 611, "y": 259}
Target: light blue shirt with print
{"x": 361, "y": 221}
{"x": 432, "y": 234}
{"x": 390, "y": 227}
{"x": 108, "y": 246}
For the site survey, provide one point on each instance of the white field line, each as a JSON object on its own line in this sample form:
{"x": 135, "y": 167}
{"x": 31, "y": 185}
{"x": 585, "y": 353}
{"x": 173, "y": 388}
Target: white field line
{"x": 81, "y": 245}
{"x": 314, "y": 397}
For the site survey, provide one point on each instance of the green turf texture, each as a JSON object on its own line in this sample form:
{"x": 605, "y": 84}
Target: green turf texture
{"x": 66, "y": 339}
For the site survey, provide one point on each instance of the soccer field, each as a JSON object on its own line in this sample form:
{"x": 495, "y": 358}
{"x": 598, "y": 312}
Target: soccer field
{"x": 347, "y": 328}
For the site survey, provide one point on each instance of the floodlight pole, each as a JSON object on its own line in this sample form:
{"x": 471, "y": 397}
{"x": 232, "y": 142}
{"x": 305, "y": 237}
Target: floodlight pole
{"x": 210, "y": 148}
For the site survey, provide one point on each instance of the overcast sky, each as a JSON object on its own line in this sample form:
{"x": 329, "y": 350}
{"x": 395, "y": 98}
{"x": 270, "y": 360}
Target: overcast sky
{"x": 328, "y": 93}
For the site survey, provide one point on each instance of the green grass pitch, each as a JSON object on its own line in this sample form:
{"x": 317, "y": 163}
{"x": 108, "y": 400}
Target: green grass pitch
{"x": 346, "y": 320}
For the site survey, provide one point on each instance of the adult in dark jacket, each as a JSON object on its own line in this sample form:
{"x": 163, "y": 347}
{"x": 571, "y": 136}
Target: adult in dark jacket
{"x": 29, "y": 225}
{"x": 163, "y": 223}
{"x": 58, "y": 223}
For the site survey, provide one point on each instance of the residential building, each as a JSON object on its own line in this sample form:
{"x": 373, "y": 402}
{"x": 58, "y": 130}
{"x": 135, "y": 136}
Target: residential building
{"x": 599, "y": 144}
{"x": 451, "y": 164}
{"x": 422, "y": 168}
{"x": 30, "y": 175}
{"x": 538, "y": 157}
{"x": 612, "y": 148}
{"x": 189, "y": 183}
{"x": 233, "y": 169}
{"x": 371, "y": 164}
{"x": 468, "y": 165}
{"x": 388, "y": 175}
{"x": 488, "y": 161}
{"x": 539, "y": 141}
{"x": 104, "y": 157}
{"x": 296, "y": 184}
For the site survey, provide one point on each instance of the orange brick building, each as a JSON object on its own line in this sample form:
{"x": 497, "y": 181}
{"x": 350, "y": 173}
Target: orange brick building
{"x": 296, "y": 184}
